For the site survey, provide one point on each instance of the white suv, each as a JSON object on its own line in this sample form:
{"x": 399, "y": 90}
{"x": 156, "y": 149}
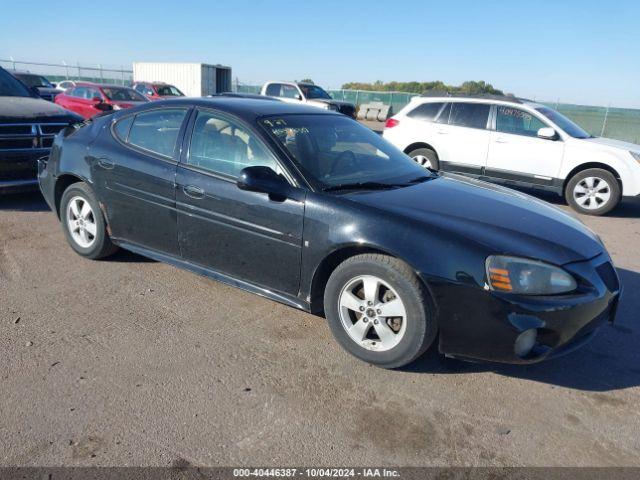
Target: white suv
{"x": 517, "y": 143}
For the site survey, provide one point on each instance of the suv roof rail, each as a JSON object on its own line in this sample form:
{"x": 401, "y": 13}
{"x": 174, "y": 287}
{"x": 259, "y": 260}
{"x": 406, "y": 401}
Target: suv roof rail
{"x": 487, "y": 96}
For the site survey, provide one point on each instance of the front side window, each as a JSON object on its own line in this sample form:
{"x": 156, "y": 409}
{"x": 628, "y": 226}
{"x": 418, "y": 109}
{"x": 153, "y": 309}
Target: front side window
{"x": 517, "y": 122}
{"x": 139, "y": 88}
{"x": 426, "y": 111}
{"x": 334, "y": 150}
{"x": 273, "y": 90}
{"x": 470, "y": 115}
{"x": 223, "y": 146}
{"x": 157, "y": 130}
{"x": 289, "y": 91}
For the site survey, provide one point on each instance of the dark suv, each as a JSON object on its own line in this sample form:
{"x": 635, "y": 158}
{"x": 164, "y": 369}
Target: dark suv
{"x": 27, "y": 127}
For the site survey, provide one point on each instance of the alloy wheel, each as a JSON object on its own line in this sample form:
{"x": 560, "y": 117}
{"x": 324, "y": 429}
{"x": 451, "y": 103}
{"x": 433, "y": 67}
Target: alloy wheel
{"x": 81, "y": 222}
{"x": 592, "y": 193}
{"x": 372, "y": 313}
{"x": 423, "y": 161}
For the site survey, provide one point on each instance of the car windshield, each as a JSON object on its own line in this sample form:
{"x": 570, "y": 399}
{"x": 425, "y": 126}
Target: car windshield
{"x": 123, "y": 94}
{"x": 569, "y": 127}
{"x": 34, "y": 80}
{"x": 336, "y": 151}
{"x": 313, "y": 91}
{"x": 168, "y": 91}
{"x": 10, "y": 87}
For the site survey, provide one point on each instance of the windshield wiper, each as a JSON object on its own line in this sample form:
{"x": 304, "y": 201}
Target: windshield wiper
{"x": 362, "y": 186}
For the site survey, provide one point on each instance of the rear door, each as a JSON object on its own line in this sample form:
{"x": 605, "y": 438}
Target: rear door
{"x": 134, "y": 168}
{"x": 516, "y": 153}
{"x": 462, "y": 135}
{"x": 246, "y": 235}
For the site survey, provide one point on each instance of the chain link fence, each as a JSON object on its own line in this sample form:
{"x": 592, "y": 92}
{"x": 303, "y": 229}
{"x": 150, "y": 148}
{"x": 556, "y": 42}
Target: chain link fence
{"x": 616, "y": 123}
{"x": 57, "y": 72}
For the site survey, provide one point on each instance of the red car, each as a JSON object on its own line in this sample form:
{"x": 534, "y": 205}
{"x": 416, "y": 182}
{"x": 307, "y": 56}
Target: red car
{"x": 157, "y": 90}
{"x": 90, "y": 99}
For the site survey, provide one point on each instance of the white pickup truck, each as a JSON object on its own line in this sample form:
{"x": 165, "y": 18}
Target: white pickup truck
{"x": 298, "y": 92}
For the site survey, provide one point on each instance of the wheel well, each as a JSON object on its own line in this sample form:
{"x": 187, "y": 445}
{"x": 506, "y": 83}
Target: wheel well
{"x": 62, "y": 184}
{"x": 326, "y": 268}
{"x": 586, "y": 166}
{"x": 416, "y": 145}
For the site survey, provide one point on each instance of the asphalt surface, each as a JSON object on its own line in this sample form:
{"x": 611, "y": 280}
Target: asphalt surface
{"x": 132, "y": 362}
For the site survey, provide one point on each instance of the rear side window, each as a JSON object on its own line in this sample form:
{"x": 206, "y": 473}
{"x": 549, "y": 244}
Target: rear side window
{"x": 471, "y": 115}
{"x": 273, "y": 90}
{"x": 426, "y": 111}
{"x": 157, "y": 131}
{"x": 444, "y": 115}
{"x": 122, "y": 128}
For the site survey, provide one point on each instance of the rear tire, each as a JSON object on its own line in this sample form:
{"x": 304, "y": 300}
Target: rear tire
{"x": 425, "y": 157}
{"x": 83, "y": 223}
{"x": 593, "y": 192}
{"x": 379, "y": 311}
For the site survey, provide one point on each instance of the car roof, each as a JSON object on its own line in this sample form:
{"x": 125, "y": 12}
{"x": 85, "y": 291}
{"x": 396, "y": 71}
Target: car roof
{"x": 247, "y": 109}
{"x": 99, "y": 85}
{"x": 484, "y": 98}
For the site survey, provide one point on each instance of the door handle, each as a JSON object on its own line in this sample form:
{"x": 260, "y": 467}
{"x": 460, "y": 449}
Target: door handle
{"x": 501, "y": 140}
{"x": 106, "y": 164}
{"x": 442, "y": 132}
{"x": 193, "y": 191}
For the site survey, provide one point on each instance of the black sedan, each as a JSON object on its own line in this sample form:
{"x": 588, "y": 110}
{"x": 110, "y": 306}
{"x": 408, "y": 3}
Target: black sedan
{"x": 311, "y": 209}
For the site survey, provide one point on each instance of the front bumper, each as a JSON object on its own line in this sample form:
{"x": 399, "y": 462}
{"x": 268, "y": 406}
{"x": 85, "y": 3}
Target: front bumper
{"x": 18, "y": 169}
{"x": 481, "y": 325}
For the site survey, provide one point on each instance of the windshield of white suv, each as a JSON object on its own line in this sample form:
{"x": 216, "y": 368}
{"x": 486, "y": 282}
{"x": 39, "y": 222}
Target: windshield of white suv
{"x": 564, "y": 123}
{"x": 10, "y": 87}
{"x": 338, "y": 152}
{"x": 313, "y": 91}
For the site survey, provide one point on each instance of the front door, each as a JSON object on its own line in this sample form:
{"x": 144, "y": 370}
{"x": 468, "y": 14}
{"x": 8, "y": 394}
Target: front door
{"x": 245, "y": 235}
{"x": 517, "y": 153}
{"x": 135, "y": 177}
{"x": 462, "y": 137}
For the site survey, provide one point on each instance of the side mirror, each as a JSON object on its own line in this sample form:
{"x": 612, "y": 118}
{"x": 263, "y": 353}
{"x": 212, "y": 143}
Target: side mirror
{"x": 96, "y": 100}
{"x": 297, "y": 96}
{"x": 547, "y": 133}
{"x": 100, "y": 105}
{"x": 35, "y": 91}
{"x": 266, "y": 180}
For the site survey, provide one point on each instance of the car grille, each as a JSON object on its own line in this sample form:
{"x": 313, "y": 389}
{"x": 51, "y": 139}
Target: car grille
{"x": 609, "y": 276}
{"x": 28, "y": 136}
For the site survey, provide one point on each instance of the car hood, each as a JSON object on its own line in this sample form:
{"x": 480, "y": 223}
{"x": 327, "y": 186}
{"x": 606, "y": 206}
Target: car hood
{"x": 609, "y": 142}
{"x": 503, "y": 220}
{"x": 34, "y": 109}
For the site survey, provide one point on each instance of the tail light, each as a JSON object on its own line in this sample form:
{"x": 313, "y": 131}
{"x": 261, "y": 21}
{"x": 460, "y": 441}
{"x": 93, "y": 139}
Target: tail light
{"x": 392, "y": 122}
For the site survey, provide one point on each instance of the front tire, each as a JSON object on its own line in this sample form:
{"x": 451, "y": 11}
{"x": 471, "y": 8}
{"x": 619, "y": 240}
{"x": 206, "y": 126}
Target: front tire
{"x": 379, "y": 311}
{"x": 593, "y": 192}
{"x": 425, "y": 157}
{"x": 83, "y": 222}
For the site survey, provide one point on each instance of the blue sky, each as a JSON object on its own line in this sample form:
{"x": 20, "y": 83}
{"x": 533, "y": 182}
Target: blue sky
{"x": 577, "y": 51}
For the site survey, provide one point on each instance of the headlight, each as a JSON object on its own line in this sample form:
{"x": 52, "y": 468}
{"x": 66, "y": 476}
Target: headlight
{"x": 527, "y": 277}
{"x": 635, "y": 155}
{"x": 328, "y": 106}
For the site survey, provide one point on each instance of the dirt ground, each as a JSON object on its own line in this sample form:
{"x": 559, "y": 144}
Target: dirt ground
{"x": 132, "y": 362}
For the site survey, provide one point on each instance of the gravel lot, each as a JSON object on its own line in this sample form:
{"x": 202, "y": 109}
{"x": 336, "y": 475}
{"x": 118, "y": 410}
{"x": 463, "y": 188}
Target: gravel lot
{"x": 133, "y": 362}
